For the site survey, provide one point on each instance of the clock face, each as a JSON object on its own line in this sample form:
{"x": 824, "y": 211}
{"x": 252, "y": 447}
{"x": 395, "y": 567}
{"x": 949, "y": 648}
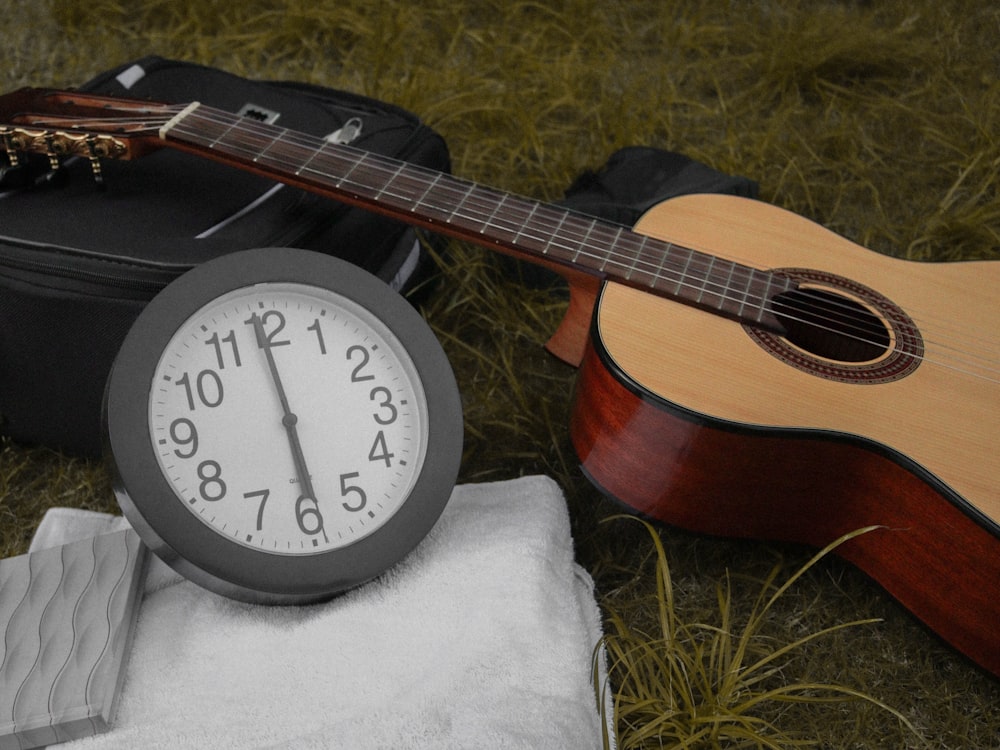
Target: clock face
{"x": 281, "y": 426}
{"x": 288, "y": 418}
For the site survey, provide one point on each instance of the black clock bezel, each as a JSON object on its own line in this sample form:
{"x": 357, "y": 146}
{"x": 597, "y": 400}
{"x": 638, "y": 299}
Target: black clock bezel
{"x": 192, "y": 547}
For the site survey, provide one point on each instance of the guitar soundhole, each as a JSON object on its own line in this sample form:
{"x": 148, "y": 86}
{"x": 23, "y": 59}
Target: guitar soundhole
{"x": 838, "y": 329}
{"x": 831, "y": 326}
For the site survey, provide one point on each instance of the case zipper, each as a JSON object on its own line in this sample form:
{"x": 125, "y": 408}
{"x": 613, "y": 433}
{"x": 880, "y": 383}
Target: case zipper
{"x": 85, "y": 273}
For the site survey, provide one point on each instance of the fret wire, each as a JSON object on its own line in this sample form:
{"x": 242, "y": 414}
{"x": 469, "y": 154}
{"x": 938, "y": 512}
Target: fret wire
{"x": 726, "y": 286}
{"x": 708, "y": 271}
{"x": 767, "y": 291}
{"x": 388, "y": 182}
{"x": 266, "y": 148}
{"x": 534, "y": 208}
{"x": 430, "y": 186}
{"x": 586, "y": 238}
{"x": 658, "y": 273}
{"x": 496, "y": 208}
{"x": 746, "y": 291}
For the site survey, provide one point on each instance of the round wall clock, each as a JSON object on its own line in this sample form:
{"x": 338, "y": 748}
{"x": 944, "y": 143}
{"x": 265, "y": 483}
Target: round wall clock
{"x": 282, "y": 426}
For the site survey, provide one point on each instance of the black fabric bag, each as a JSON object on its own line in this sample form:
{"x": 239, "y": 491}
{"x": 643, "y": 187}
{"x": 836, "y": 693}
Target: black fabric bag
{"x": 636, "y": 178}
{"x": 79, "y": 261}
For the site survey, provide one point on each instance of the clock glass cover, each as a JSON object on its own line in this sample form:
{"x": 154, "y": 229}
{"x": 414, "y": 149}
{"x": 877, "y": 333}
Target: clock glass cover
{"x": 282, "y": 426}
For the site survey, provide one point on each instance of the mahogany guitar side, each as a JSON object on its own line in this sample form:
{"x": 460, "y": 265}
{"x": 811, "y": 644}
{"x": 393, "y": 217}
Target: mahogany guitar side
{"x": 688, "y": 419}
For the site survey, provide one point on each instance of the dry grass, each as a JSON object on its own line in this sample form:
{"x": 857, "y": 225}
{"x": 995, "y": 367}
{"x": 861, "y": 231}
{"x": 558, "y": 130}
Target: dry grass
{"x": 715, "y": 684}
{"x": 879, "y": 120}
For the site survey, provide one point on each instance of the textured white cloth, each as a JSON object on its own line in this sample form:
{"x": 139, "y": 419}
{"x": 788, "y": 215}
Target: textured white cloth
{"x": 482, "y": 637}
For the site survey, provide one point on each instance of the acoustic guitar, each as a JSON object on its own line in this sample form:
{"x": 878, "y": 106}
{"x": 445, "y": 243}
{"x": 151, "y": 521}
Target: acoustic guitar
{"x": 743, "y": 371}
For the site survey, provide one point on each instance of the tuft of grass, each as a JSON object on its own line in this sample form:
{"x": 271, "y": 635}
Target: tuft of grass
{"x": 34, "y": 479}
{"x": 695, "y": 684}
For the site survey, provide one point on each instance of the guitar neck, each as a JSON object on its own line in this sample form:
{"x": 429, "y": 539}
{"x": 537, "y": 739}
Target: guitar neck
{"x": 519, "y": 226}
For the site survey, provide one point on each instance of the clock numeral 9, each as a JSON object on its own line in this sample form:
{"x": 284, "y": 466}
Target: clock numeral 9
{"x": 183, "y": 433}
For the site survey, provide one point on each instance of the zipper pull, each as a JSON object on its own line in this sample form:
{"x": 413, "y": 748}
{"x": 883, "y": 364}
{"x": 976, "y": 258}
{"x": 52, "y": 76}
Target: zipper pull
{"x": 347, "y": 133}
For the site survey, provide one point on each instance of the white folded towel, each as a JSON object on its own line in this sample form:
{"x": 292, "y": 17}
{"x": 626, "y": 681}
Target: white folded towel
{"x": 481, "y": 638}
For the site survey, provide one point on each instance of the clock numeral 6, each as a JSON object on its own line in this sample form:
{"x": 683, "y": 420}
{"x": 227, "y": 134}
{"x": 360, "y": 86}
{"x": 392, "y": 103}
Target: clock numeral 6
{"x": 306, "y": 508}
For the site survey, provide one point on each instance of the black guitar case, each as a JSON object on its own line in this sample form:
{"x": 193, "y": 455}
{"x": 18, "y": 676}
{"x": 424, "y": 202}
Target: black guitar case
{"x": 79, "y": 260}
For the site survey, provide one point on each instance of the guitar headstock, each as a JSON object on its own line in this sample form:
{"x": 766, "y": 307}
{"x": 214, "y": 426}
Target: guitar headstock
{"x": 61, "y": 124}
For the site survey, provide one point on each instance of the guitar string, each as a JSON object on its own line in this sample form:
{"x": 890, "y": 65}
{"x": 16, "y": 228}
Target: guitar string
{"x": 272, "y": 137}
{"x": 393, "y": 169}
{"x": 515, "y": 229}
{"x": 463, "y": 190}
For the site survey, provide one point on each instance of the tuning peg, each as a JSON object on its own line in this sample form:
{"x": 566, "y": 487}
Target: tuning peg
{"x": 13, "y": 175}
{"x": 95, "y": 162}
{"x": 10, "y": 146}
{"x": 53, "y": 150}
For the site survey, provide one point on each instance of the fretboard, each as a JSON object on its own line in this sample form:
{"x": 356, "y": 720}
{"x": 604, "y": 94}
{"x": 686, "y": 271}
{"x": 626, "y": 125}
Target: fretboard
{"x": 461, "y": 208}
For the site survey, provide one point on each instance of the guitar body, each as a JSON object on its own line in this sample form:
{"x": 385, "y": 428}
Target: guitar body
{"x": 693, "y": 419}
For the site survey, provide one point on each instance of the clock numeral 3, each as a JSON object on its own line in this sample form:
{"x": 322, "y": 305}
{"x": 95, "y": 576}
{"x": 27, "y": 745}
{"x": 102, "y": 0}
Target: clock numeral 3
{"x": 385, "y": 405}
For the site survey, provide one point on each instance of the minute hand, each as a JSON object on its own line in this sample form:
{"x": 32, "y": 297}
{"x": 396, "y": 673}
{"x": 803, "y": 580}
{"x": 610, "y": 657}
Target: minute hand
{"x": 288, "y": 419}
